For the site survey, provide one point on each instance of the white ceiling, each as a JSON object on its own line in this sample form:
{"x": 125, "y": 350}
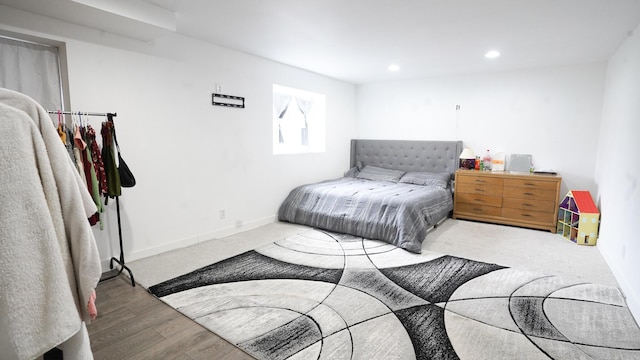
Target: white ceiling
{"x": 355, "y": 40}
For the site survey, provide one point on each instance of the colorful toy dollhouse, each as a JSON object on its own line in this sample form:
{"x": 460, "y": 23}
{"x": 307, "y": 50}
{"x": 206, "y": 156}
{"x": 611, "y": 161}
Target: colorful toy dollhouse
{"x": 578, "y": 218}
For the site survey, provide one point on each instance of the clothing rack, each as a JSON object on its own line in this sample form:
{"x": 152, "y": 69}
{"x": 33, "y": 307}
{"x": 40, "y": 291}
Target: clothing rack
{"x": 120, "y": 261}
{"x": 80, "y": 113}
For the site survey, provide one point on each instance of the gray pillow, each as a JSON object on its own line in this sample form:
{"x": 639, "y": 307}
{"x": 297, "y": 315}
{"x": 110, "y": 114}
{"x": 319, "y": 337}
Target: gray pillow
{"x": 379, "y": 174}
{"x": 426, "y": 179}
{"x": 352, "y": 172}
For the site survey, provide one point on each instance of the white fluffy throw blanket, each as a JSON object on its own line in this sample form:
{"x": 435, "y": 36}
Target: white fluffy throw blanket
{"x": 49, "y": 261}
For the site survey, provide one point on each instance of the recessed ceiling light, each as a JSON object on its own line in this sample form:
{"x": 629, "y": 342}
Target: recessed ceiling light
{"x": 393, "y": 67}
{"x": 492, "y": 54}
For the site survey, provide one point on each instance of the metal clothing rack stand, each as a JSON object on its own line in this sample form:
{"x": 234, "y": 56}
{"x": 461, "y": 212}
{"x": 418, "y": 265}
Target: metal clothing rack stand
{"x": 120, "y": 261}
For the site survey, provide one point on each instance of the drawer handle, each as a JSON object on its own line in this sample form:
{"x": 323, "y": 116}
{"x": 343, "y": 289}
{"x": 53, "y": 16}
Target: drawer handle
{"x": 478, "y": 200}
{"x": 529, "y": 184}
{"x": 529, "y": 194}
{"x": 526, "y": 215}
{"x": 480, "y": 190}
{"x": 479, "y": 181}
{"x": 528, "y": 205}
{"x": 476, "y": 209}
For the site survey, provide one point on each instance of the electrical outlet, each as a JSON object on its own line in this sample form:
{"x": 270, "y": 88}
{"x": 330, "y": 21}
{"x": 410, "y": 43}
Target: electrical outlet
{"x": 223, "y": 214}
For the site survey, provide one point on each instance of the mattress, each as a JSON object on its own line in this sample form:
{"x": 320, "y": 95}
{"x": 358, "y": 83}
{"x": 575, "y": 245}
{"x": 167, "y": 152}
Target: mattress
{"x": 397, "y": 213}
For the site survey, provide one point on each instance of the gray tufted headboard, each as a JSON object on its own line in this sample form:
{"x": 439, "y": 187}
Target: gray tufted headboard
{"x": 407, "y": 155}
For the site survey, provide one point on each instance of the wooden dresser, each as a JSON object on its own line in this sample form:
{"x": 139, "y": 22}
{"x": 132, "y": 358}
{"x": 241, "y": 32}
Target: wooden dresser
{"x": 520, "y": 199}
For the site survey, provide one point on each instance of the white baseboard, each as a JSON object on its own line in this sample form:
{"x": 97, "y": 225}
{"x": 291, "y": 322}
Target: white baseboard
{"x": 151, "y": 251}
{"x": 140, "y": 254}
{"x": 105, "y": 265}
{"x": 634, "y": 306}
{"x": 632, "y": 299}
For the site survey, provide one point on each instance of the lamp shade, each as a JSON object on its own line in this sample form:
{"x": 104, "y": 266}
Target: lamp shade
{"x": 467, "y": 159}
{"x": 467, "y": 153}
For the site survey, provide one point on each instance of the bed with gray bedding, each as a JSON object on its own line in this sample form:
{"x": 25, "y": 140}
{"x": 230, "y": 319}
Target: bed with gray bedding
{"x": 395, "y": 191}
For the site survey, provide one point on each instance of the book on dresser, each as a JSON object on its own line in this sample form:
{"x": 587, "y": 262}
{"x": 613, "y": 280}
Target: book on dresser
{"x": 520, "y": 199}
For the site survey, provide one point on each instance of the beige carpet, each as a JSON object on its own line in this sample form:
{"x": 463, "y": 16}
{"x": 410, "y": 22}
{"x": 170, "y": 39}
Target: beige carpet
{"x": 524, "y": 249}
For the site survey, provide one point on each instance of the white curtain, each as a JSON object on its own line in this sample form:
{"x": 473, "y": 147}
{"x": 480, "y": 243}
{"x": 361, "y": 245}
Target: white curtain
{"x": 281, "y": 104}
{"x": 305, "y": 106}
{"x": 31, "y": 69}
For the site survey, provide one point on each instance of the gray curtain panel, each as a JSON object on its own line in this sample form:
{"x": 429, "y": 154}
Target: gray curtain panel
{"x": 31, "y": 69}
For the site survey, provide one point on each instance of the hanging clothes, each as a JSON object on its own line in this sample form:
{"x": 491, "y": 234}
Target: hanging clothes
{"x": 98, "y": 177}
{"x": 92, "y": 180}
{"x": 78, "y": 148}
{"x": 69, "y": 144}
{"x": 96, "y": 157}
{"x": 61, "y": 132}
{"x": 66, "y": 136}
{"x": 51, "y": 261}
{"x": 108, "y": 155}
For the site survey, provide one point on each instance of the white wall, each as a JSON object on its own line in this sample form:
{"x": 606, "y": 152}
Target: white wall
{"x": 552, "y": 113}
{"x": 580, "y": 120}
{"x": 618, "y": 172}
{"x": 191, "y": 159}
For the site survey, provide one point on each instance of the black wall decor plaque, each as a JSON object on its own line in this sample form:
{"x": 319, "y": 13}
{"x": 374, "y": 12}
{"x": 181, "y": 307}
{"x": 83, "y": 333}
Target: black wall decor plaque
{"x": 227, "y": 100}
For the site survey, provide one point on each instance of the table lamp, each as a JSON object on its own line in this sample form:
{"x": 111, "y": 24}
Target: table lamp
{"x": 467, "y": 159}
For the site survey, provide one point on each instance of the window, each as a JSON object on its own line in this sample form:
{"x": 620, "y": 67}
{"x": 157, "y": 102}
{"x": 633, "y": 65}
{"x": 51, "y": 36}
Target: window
{"x": 298, "y": 121}
{"x": 33, "y": 67}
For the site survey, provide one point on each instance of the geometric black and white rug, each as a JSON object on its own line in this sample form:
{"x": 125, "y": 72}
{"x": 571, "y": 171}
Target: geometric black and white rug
{"x": 320, "y": 295}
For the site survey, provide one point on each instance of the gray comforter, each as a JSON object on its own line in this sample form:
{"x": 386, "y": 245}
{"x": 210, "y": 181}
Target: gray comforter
{"x": 397, "y": 213}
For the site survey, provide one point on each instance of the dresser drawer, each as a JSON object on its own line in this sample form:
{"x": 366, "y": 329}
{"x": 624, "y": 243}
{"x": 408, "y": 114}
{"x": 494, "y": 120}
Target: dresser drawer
{"x": 481, "y": 190}
{"x": 531, "y": 184}
{"x": 479, "y": 180}
{"x": 479, "y": 199}
{"x": 529, "y": 216}
{"x": 477, "y": 209}
{"x": 526, "y": 204}
{"x": 529, "y": 193}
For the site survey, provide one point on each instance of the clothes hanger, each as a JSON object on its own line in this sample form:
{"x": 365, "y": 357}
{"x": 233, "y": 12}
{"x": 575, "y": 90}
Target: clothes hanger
{"x": 61, "y": 131}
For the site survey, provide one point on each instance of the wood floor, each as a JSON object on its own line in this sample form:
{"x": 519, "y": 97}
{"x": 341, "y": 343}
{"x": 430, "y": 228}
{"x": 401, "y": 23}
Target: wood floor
{"x": 133, "y": 324}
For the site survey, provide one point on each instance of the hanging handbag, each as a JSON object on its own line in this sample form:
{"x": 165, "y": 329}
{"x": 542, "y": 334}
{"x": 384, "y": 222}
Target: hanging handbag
{"x": 126, "y": 176}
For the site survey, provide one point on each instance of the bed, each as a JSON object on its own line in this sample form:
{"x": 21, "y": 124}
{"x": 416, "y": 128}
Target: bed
{"x": 394, "y": 191}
